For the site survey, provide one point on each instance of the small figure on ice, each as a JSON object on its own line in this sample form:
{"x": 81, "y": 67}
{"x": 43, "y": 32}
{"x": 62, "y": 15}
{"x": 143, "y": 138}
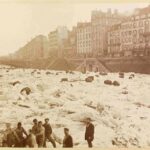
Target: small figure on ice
{"x": 68, "y": 141}
{"x": 89, "y": 133}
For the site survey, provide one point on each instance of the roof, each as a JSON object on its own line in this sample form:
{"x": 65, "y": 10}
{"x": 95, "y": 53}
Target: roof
{"x": 144, "y": 10}
{"x": 141, "y": 11}
{"x": 83, "y": 24}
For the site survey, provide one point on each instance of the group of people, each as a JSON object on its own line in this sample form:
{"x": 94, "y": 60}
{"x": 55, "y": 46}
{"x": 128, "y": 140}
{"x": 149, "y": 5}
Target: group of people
{"x": 40, "y": 134}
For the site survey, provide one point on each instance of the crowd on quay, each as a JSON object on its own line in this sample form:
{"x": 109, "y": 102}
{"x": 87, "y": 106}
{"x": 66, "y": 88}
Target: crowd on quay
{"x": 40, "y": 134}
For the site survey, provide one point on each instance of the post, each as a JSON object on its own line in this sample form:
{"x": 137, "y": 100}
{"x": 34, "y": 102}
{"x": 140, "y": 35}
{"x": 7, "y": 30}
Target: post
{"x": 85, "y": 62}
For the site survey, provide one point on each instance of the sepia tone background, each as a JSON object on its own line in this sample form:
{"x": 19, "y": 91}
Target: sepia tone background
{"x": 24, "y": 20}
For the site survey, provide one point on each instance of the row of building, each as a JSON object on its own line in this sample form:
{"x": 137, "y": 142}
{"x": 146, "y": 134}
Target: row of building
{"x": 132, "y": 36}
{"x": 106, "y": 34}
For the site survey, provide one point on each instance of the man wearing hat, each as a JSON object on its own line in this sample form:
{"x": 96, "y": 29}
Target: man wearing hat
{"x": 89, "y": 133}
{"x": 8, "y": 139}
{"x": 35, "y": 126}
{"x": 40, "y": 136}
{"x": 48, "y": 132}
{"x": 67, "y": 142}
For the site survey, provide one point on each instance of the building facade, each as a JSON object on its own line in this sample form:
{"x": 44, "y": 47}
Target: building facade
{"x": 56, "y": 39}
{"x": 114, "y": 40}
{"x": 101, "y": 22}
{"x": 134, "y": 34}
{"x": 84, "y": 38}
{"x": 70, "y": 44}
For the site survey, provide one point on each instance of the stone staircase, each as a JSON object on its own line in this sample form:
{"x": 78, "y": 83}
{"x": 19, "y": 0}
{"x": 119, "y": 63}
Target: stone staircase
{"x": 95, "y": 64}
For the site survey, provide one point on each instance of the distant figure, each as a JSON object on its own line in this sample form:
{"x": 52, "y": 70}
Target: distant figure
{"x": 40, "y": 136}
{"x": 19, "y": 132}
{"x": 89, "y": 133}
{"x": 68, "y": 141}
{"x": 31, "y": 140}
{"x": 8, "y": 139}
{"x": 48, "y": 132}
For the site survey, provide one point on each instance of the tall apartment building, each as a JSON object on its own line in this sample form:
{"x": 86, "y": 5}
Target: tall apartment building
{"x": 84, "y": 38}
{"x": 101, "y": 22}
{"x": 56, "y": 39}
{"x": 114, "y": 40}
{"x": 70, "y": 44}
{"x": 141, "y": 30}
{"x": 134, "y": 34}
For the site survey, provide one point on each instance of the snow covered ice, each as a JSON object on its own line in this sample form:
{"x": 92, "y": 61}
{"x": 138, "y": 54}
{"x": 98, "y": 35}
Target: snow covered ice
{"x": 121, "y": 114}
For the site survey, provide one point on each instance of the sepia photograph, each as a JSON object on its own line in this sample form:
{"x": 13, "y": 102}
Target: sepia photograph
{"x": 74, "y": 74}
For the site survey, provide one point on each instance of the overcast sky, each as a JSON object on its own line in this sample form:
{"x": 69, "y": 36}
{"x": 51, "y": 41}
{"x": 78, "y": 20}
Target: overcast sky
{"x": 19, "y": 22}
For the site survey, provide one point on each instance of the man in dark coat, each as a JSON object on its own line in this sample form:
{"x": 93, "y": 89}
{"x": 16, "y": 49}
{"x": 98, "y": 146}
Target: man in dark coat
{"x": 9, "y": 138}
{"x": 35, "y": 126}
{"x": 19, "y": 132}
{"x": 89, "y": 133}
{"x": 68, "y": 141}
{"x": 40, "y": 136}
{"x": 48, "y": 132}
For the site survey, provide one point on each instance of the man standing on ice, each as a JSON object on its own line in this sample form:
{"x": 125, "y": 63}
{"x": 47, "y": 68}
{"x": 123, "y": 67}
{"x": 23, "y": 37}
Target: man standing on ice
{"x": 31, "y": 140}
{"x": 8, "y": 139}
{"x": 48, "y": 132}
{"x": 35, "y": 126}
{"x": 89, "y": 133}
{"x": 40, "y": 136}
{"x": 19, "y": 132}
{"x": 68, "y": 141}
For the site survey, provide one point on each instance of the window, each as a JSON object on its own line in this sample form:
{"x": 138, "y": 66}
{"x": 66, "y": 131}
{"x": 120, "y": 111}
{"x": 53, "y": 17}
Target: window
{"x": 140, "y": 31}
{"x": 141, "y": 23}
{"x": 146, "y": 22}
{"x": 141, "y": 39}
{"x": 137, "y": 17}
{"x": 134, "y": 25}
{"x": 143, "y": 16}
{"x": 134, "y": 32}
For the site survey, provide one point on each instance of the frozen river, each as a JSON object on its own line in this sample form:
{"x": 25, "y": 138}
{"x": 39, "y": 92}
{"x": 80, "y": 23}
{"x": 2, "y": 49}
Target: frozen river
{"x": 121, "y": 114}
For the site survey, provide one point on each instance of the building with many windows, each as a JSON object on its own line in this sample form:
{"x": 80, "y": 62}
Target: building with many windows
{"x": 56, "y": 39}
{"x": 101, "y": 22}
{"x": 84, "y": 39}
{"x": 92, "y": 37}
{"x": 70, "y": 44}
{"x": 134, "y": 34}
{"x": 114, "y": 40}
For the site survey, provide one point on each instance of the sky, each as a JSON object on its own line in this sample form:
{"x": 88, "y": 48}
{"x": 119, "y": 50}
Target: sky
{"x": 22, "y": 21}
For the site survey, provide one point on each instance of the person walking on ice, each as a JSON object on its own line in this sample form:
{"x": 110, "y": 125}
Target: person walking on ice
{"x": 48, "y": 133}
{"x": 89, "y": 132}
